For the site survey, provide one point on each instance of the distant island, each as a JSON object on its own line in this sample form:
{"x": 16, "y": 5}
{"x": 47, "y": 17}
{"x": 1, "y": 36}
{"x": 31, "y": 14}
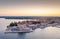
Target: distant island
{"x": 28, "y": 17}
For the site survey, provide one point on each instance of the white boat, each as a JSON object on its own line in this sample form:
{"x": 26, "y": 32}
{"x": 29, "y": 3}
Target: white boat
{"x": 25, "y": 30}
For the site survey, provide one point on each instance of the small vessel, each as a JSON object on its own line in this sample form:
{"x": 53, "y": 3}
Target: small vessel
{"x": 16, "y": 30}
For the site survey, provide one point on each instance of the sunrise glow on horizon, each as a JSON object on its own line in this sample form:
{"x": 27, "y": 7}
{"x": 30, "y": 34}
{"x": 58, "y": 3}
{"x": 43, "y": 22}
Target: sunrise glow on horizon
{"x": 39, "y": 8}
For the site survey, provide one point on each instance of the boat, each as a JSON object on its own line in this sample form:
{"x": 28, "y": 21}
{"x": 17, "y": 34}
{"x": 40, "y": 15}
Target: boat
{"x": 16, "y": 30}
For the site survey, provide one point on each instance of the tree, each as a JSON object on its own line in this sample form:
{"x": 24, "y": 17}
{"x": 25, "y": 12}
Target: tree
{"x": 13, "y": 24}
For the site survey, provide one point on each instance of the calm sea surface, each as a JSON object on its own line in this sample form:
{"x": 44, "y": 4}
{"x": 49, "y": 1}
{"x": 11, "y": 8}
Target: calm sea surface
{"x": 46, "y": 33}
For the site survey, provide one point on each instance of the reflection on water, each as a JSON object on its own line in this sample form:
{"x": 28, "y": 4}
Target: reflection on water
{"x": 46, "y": 33}
{"x": 52, "y": 32}
{"x": 21, "y": 35}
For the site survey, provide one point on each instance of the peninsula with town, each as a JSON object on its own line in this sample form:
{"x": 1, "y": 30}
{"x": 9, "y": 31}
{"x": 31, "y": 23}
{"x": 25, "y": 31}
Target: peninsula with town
{"x": 29, "y": 25}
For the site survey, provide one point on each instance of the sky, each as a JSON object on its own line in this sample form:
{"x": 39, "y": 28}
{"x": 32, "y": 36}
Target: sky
{"x": 29, "y": 7}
